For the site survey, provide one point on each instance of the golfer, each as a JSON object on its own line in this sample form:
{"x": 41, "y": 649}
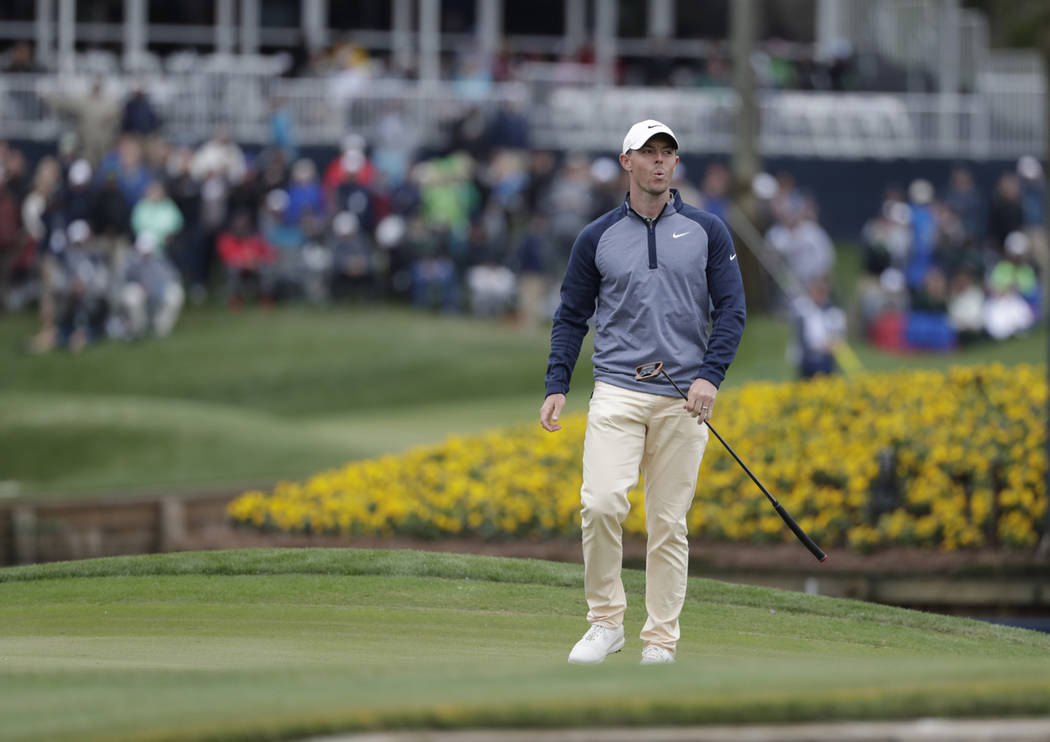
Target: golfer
{"x": 662, "y": 280}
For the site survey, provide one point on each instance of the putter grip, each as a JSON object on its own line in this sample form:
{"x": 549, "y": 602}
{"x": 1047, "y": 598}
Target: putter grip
{"x": 802, "y": 535}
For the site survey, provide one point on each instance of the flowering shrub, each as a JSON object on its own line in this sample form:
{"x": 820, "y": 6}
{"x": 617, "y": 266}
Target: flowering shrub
{"x": 949, "y": 459}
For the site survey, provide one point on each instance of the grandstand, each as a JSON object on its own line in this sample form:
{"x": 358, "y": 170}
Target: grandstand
{"x": 842, "y": 80}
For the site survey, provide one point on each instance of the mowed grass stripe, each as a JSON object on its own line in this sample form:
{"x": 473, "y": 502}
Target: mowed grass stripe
{"x": 284, "y": 643}
{"x": 407, "y": 563}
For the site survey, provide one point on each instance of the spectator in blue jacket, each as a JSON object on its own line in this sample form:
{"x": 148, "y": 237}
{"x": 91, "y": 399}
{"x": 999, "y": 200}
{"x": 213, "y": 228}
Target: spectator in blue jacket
{"x": 139, "y": 116}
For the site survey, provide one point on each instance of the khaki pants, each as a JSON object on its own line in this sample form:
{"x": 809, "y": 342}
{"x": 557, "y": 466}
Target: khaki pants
{"x": 628, "y": 432}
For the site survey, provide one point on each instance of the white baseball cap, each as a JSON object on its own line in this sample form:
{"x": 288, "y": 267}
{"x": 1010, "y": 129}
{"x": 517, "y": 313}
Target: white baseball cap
{"x": 643, "y": 131}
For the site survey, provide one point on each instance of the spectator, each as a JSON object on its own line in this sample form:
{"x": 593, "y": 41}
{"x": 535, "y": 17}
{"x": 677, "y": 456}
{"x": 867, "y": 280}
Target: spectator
{"x": 394, "y": 241}
{"x": 219, "y": 156}
{"x": 886, "y": 238}
{"x": 78, "y": 195}
{"x": 717, "y": 73}
{"x": 351, "y": 164}
{"x": 13, "y": 163}
{"x": 473, "y": 77}
{"x": 39, "y": 222}
{"x": 433, "y": 273}
{"x": 19, "y": 60}
{"x": 394, "y": 145}
{"x": 820, "y": 327}
{"x": 80, "y": 289}
{"x": 316, "y": 268}
{"x": 97, "y": 117}
{"x": 923, "y": 233}
{"x": 1006, "y": 212}
{"x": 1013, "y": 291}
{"x": 10, "y": 237}
{"x": 249, "y": 194}
{"x": 954, "y": 249}
{"x": 542, "y": 169}
{"x": 158, "y": 216}
{"x": 571, "y": 203}
{"x": 508, "y": 128}
{"x": 608, "y": 184}
{"x": 490, "y": 283}
{"x": 215, "y": 196}
{"x": 282, "y": 130}
{"x": 714, "y": 191}
{"x": 248, "y": 261}
{"x": 126, "y": 164}
{"x": 110, "y": 220}
{"x": 1014, "y": 274}
{"x": 449, "y": 198}
{"x": 966, "y": 307}
{"x": 961, "y": 197}
{"x": 785, "y": 197}
{"x": 533, "y": 260}
{"x": 1033, "y": 187}
{"x": 802, "y": 243}
{"x": 139, "y": 118}
{"x": 151, "y": 293}
{"x": 288, "y": 239}
{"x": 304, "y": 193}
{"x": 187, "y": 249}
{"x": 353, "y": 259}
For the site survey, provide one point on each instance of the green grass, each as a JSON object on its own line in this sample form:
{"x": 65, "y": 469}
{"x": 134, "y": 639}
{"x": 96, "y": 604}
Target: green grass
{"x": 242, "y": 399}
{"x": 279, "y": 644}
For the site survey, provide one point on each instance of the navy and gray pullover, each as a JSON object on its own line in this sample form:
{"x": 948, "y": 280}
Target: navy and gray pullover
{"x": 666, "y": 289}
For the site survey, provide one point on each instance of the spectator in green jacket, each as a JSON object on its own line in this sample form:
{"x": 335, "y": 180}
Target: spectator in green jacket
{"x": 157, "y": 215}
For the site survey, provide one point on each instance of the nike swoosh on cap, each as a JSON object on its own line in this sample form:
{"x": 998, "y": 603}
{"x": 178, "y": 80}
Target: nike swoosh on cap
{"x": 652, "y": 127}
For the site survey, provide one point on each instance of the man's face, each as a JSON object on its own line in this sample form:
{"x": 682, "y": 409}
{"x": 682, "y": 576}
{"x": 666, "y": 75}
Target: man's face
{"x": 652, "y": 165}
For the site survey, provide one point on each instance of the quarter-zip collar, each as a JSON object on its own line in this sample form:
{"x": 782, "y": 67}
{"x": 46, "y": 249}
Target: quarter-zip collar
{"x": 675, "y": 202}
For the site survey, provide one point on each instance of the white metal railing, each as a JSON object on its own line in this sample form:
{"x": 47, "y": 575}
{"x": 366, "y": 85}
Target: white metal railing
{"x": 998, "y": 122}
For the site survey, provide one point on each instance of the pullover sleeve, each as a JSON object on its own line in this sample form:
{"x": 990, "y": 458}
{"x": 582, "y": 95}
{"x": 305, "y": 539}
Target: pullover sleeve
{"x": 727, "y": 297}
{"x": 579, "y": 294}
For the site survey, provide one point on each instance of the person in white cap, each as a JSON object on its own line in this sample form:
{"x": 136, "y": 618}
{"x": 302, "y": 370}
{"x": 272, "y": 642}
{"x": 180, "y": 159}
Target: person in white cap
{"x": 662, "y": 280}
{"x": 151, "y": 296}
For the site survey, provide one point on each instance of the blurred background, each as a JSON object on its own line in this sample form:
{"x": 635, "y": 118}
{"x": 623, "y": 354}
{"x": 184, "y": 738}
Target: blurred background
{"x": 245, "y": 241}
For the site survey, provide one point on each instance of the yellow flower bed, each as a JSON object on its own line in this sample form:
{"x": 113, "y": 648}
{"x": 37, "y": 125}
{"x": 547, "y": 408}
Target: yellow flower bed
{"x": 962, "y": 457}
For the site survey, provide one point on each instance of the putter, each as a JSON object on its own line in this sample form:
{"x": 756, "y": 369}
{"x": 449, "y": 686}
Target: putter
{"x": 649, "y": 372}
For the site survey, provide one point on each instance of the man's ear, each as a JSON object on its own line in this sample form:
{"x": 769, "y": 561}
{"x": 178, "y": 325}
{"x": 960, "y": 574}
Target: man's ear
{"x": 625, "y": 162}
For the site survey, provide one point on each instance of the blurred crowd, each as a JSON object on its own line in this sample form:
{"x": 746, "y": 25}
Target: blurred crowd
{"x": 940, "y": 268}
{"x": 778, "y": 65}
{"x": 947, "y": 266}
{"x": 116, "y": 231}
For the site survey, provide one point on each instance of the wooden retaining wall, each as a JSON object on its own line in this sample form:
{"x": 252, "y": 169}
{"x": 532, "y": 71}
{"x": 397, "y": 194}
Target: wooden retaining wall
{"x": 50, "y": 532}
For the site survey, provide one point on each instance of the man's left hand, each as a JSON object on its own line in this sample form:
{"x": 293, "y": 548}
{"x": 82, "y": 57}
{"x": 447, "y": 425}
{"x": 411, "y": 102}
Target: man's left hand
{"x": 701, "y": 400}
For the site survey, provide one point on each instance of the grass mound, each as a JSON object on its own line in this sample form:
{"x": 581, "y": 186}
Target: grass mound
{"x": 279, "y": 644}
{"x": 231, "y": 401}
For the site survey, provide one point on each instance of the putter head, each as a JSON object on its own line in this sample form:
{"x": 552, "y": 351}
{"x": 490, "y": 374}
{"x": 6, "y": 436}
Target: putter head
{"x": 648, "y": 371}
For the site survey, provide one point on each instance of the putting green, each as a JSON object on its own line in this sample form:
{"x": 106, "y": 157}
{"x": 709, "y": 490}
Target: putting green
{"x": 277, "y": 644}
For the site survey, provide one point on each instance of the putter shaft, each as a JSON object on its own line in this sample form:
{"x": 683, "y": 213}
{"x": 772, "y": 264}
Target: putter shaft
{"x": 795, "y": 528}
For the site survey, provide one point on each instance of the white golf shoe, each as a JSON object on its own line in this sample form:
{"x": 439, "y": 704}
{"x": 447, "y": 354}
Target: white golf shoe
{"x": 654, "y": 655}
{"x": 597, "y": 644}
